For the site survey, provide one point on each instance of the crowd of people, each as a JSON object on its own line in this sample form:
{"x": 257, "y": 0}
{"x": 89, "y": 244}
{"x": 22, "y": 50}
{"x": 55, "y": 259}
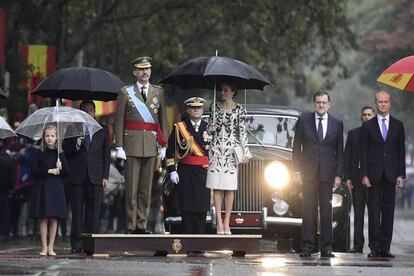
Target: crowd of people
{"x": 200, "y": 156}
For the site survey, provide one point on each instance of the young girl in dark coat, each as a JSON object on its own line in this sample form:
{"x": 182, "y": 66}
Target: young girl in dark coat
{"x": 48, "y": 202}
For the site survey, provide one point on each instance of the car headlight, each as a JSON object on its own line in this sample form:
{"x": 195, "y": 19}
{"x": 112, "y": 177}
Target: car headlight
{"x": 280, "y": 207}
{"x": 337, "y": 200}
{"x": 277, "y": 174}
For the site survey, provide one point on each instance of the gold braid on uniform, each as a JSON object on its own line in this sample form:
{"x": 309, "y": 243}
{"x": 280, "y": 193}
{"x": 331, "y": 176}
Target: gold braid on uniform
{"x": 185, "y": 146}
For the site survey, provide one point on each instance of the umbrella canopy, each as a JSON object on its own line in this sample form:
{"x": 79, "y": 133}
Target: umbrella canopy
{"x": 71, "y": 122}
{"x": 400, "y": 75}
{"x": 2, "y": 94}
{"x": 206, "y": 72}
{"x": 5, "y": 129}
{"x": 80, "y": 83}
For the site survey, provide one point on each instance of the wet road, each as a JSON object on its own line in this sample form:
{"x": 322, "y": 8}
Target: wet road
{"x": 18, "y": 259}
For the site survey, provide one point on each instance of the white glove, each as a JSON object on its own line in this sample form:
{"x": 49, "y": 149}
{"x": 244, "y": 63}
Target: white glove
{"x": 174, "y": 177}
{"x": 161, "y": 152}
{"x": 120, "y": 153}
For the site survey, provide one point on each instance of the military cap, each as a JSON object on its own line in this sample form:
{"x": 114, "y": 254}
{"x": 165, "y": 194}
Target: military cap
{"x": 195, "y": 101}
{"x": 142, "y": 62}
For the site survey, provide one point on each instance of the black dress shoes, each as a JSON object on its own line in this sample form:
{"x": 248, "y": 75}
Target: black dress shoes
{"x": 355, "y": 250}
{"x": 305, "y": 254}
{"x": 129, "y": 231}
{"x": 327, "y": 254}
{"x": 374, "y": 254}
{"x": 76, "y": 251}
{"x": 387, "y": 254}
{"x": 142, "y": 231}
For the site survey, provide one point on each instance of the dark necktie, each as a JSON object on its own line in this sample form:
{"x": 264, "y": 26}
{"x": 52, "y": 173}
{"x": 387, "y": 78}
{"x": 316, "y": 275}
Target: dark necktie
{"x": 144, "y": 96}
{"x": 320, "y": 130}
{"x": 87, "y": 142}
{"x": 196, "y": 127}
{"x": 384, "y": 129}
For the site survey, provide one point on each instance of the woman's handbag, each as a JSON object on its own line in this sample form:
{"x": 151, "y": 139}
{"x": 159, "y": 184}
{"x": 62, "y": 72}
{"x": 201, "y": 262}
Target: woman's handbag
{"x": 238, "y": 154}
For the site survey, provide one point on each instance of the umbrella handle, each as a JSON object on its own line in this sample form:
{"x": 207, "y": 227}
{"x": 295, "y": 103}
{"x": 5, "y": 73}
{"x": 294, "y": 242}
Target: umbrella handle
{"x": 214, "y": 103}
{"x": 214, "y": 97}
{"x": 57, "y": 130}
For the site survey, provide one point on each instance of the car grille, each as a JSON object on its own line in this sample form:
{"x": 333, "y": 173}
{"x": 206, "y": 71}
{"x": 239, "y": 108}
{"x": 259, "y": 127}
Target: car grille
{"x": 249, "y": 195}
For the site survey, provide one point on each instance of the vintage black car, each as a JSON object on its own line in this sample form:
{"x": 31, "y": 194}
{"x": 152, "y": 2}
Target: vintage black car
{"x": 267, "y": 200}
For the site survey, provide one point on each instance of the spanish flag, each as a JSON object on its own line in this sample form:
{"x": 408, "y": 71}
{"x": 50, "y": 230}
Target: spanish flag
{"x": 40, "y": 61}
{"x": 104, "y": 108}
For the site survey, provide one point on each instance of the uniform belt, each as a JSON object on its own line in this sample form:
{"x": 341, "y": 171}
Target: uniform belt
{"x": 195, "y": 160}
{"x": 141, "y": 125}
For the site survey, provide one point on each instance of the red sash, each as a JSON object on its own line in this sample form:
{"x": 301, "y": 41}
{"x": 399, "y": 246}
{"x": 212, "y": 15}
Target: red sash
{"x": 141, "y": 125}
{"x": 195, "y": 160}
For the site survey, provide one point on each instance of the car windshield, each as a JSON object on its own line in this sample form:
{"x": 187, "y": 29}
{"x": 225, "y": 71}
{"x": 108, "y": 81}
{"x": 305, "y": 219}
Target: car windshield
{"x": 268, "y": 130}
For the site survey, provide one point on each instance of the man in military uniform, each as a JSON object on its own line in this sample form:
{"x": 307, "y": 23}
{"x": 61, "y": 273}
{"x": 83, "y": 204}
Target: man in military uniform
{"x": 187, "y": 161}
{"x": 139, "y": 124}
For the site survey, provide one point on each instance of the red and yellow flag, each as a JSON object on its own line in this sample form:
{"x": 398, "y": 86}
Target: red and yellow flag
{"x": 105, "y": 108}
{"x": 40, "y": 62}
{"x": 2, "y": 36}
{"x": 400, "y": 75}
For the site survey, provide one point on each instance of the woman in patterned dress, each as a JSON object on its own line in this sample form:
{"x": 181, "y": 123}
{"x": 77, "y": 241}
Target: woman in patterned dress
{"x": 228, "y": 131}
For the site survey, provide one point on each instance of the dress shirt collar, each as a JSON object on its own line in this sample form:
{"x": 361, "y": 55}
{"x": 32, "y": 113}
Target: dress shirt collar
{"x": 325, "y": 116}
{"x": 193, "y": 123}
{"x": 387, "y": 118}
{"x": 141, "y": 85}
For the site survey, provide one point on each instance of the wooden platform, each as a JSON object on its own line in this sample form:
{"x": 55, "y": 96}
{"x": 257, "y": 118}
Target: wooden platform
{"x": 163, "y": 244}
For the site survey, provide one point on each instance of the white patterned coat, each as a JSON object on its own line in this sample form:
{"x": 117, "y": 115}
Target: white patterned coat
{"x": 230, "y": 131}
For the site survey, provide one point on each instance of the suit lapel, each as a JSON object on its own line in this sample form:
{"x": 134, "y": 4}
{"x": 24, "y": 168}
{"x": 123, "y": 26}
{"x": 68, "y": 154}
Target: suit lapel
{"x": 391, "y": 127}
{"x": 149, "y": 94}
{"x": 330, "y": 126}
{"x": 313, "y": 126}
{"x": 377, "y": 128}
{"x": 138, "y": 93}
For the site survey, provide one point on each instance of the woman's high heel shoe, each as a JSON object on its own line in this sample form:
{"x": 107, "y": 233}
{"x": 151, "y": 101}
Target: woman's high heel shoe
{"x": 220, "y": 231}
{"x": 50, "y": 252}
{"x": 227, "y": 232}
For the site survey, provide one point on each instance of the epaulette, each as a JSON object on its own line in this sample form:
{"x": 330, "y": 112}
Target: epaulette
{"x": 156, "y": 86}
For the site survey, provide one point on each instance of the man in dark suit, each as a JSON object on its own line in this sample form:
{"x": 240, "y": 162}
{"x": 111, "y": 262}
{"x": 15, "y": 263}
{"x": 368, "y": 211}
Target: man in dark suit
{"x": 88, "y": 160}
{"x": 382, "y": 168}
{"x": 352, "y": 167}
{"x": 317, "y": 163}
{"x": 187, "y": 162}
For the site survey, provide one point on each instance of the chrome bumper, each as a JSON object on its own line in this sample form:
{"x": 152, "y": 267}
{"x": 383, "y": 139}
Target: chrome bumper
{"x": 270, "y": 220}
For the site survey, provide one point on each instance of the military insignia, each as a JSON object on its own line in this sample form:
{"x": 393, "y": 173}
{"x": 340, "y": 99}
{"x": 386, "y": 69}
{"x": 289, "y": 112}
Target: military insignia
{"x": 155, "y": 100}
{"x": 155, "y": 110}
{"x": 176, "y": 246}
{"x": 152, "y": 106}
{"x": 207, "y": 147}
{"x": 206, "y": 137}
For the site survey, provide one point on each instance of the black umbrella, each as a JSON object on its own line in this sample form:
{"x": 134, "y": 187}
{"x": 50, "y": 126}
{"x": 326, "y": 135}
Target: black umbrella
{"x": 80, "y": 83}
{"x": 2, "y": 94}
{"x": 207, "y": 72}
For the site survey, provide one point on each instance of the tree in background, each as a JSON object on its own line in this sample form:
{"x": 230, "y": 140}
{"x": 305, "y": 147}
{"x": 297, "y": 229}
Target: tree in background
{"x": 271, "y": 35}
